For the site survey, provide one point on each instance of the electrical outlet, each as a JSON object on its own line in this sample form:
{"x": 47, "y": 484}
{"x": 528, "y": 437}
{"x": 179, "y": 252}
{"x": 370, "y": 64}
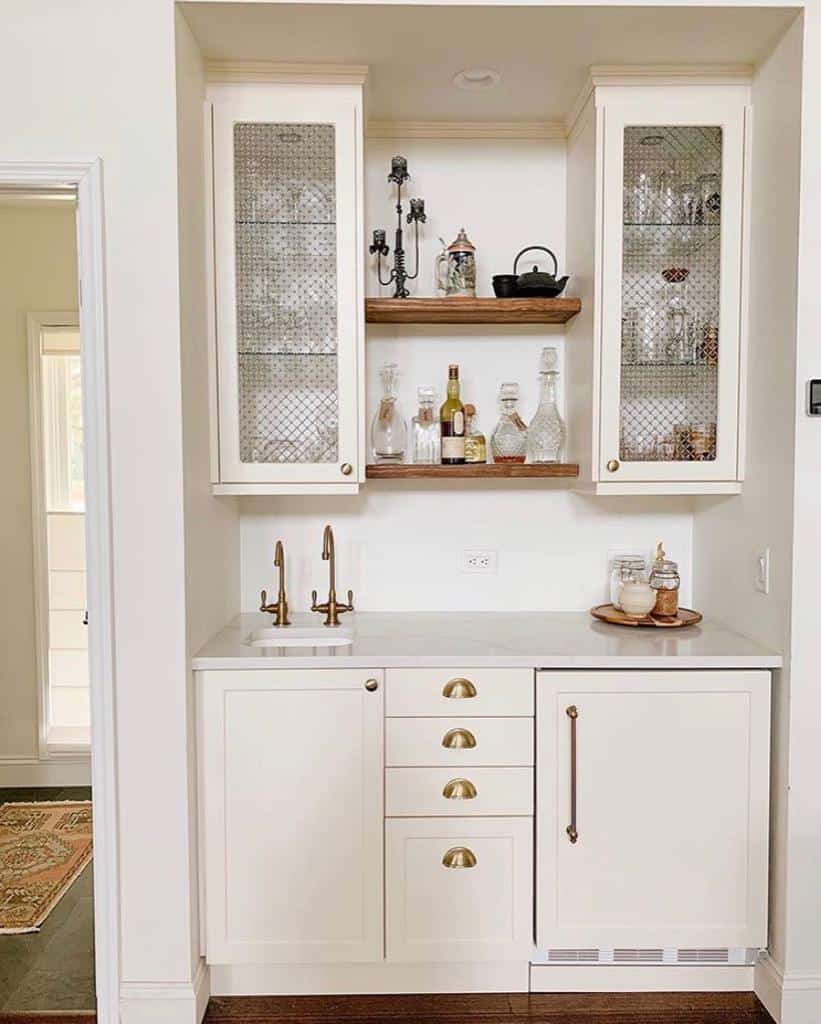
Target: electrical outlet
{"x": 761, "y": 579}
{"x": 476, "y": 560}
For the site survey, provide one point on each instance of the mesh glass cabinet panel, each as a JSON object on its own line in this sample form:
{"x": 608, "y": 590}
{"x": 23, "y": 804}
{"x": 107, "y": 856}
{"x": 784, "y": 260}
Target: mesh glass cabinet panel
{"x": 286, "y": 299}
{"x": 670, "y": 292}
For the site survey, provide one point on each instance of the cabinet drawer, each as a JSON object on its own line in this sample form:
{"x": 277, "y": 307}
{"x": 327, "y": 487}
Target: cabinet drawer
{"x": 442, "y": 791}
{"x": 447, "y": 692}
{"x": 454, "y": 742}
{"x": 459, "y": 889}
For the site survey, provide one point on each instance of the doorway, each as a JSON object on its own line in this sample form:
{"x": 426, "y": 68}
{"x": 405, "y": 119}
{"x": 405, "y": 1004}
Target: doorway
{"x": 56, "y": 671}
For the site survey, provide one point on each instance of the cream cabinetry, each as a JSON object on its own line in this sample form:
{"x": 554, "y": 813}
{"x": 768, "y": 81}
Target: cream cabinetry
{"x": 662, "y": 230}
{"x": 665, "y": 789}
{"x": 292, "y": 815}
{"x": 287, "y": 354}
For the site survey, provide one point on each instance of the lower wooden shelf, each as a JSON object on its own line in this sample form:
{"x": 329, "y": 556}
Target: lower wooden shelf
{"x": 491, "y": 470}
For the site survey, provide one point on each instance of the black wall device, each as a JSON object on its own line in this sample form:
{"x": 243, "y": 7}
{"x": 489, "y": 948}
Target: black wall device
{"x": 814, "y": 398}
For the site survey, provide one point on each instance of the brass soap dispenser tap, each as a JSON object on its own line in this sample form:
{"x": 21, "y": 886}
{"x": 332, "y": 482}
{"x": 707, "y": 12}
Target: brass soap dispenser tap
{"x": 280, "y": 608}
{"x": 331, "y": 607}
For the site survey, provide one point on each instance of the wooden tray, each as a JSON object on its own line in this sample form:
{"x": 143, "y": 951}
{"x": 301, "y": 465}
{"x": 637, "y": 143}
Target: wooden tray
{"x": 607, "y": 613}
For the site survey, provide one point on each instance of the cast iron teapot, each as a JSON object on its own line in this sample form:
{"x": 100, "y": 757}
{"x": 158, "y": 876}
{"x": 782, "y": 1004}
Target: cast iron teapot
{"x": 536, "y": 284}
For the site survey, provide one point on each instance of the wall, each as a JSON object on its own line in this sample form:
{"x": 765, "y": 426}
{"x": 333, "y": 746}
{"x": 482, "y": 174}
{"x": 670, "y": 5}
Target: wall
{"x": 212, "y": 556}
{"x": 38, "y": 268}
{"x": 399, "y": 546}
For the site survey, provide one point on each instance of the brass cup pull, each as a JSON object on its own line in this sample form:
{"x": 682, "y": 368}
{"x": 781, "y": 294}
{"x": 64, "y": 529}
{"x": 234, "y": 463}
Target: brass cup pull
{"x": 458, "y": 739}
{"x": 346, "y": 469}
{"x": 459, "y": 789}
{"x": 459, "y": 857}
{"x": 613, "y": 465}
{"x": 459, "y": 689}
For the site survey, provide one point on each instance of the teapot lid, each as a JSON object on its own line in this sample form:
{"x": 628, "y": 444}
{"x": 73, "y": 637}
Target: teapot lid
{"x": 462, "y": 243}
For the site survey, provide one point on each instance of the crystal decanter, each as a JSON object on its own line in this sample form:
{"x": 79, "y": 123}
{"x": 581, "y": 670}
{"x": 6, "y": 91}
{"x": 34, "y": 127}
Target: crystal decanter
{"x": 546, "y": 433}
{"x": 389, "y": 431}
{"x": 509, "y": 440}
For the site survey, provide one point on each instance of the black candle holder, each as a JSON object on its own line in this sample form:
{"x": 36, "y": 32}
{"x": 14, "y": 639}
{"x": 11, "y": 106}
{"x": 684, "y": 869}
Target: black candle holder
{"x": 399, "y": 276}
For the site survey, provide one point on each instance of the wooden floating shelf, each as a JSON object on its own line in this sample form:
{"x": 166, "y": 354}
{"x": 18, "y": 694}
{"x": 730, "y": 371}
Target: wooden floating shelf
{"x": 471, "y": 311}
{"x": 491, "y": 470}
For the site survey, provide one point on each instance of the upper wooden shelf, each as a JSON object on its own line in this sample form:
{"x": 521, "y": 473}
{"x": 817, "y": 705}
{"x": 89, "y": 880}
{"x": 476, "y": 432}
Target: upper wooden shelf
{"x": 471, "y": 311}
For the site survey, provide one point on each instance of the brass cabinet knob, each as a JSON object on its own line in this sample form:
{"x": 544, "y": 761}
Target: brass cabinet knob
{"x": 458, "y": 738}
{"x": 459, "y": 789}
{"x": 459, "y": 857}
{"x": 613, "y": 465}
{"x": 459, "y": 689}
{"x": 371, "y": 685}
{"x": 346, "y": 469}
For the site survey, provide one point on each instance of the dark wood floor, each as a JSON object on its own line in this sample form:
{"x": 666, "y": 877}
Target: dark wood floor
{"x": 619, "y": 1008}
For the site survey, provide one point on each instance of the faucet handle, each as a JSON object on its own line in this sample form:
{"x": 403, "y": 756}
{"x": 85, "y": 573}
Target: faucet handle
{"x": 263, "y": 602}
{"x": 314, "y": 607}
{"x": 350, "y": 600}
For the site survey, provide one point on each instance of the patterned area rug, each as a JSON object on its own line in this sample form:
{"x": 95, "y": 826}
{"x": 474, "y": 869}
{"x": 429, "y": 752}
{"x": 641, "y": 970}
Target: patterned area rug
{"x": 43, "y": 848}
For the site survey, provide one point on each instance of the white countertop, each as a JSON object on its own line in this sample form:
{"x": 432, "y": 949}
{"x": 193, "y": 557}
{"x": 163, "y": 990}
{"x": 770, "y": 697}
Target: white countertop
{"x": 492, "y": 640}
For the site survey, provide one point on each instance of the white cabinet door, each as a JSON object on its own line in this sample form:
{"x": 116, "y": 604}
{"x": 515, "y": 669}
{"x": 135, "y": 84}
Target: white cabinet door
{"x": 287, "y": 201}
{"x": 671, "y": 778}
{"x": 292, "y": 813}
{"x": 672, "y": 261}
{"x": 459, "y": 889}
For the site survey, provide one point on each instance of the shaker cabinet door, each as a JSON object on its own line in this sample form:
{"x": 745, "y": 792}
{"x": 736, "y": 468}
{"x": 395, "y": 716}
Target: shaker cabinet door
{"x": 292, "y": 811}
{"x": 287, "y": 202}
{"x": 670, "y": 777}
{"x": 673, "y": 194}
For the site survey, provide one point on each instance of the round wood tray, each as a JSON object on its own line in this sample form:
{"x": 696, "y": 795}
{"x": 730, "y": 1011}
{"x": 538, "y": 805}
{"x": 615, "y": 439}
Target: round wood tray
{"x": 607, "y": 613}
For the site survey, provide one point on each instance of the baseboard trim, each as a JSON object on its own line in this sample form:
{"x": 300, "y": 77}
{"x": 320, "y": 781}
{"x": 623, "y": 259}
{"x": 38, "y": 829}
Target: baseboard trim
{"x": 624, "y": 978}
{"x": 167, "y": 1002}
{"x": 791, "y": 997}
{"x": 367, "y": 979}
{"x": 34, "y": 772}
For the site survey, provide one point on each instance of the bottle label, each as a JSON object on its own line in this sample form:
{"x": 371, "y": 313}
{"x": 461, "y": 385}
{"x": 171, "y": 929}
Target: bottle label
{"x": 453, "y": 447}
{"x": 458, "y": 424}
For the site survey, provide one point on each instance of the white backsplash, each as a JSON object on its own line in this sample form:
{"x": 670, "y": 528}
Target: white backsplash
{"x": 400, "y": 545}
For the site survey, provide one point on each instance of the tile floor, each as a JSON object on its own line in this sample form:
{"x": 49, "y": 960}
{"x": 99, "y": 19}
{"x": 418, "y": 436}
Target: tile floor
{"x": 52, "y": 969}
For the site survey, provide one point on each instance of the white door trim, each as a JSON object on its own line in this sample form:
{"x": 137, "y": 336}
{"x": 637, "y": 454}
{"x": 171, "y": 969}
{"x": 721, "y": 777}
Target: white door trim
{"x": 86, "y": 177}
{"x": 35, "y": 324}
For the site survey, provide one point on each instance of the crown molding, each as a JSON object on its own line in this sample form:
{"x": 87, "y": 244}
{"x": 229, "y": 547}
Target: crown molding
{"x": 281, "y": 73}
{"x": 670, "y": 74}
{"x": 656, "y": 74}
{"x": 455, "y": 130}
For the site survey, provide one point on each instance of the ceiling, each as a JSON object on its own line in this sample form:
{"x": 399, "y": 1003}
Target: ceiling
{"x": 542, "y": 53}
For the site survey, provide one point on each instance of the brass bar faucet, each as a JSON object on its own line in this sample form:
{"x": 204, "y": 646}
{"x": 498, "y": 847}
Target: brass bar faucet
{"x": 280, "y": 609}
{"x": 332, "y": 607}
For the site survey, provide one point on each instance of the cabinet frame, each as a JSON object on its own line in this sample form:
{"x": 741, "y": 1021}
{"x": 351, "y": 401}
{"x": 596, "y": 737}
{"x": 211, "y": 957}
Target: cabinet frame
{"x": 282, "y": 102}
{"x": 558, "y": 690}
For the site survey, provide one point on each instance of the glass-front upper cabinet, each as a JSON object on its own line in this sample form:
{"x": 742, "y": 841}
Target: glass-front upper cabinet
{"x": 671, "y": 286}
{"x": 287, "y": 202}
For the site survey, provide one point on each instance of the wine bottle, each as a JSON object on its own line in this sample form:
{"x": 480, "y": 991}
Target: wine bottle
{"x": 452, "y": 420}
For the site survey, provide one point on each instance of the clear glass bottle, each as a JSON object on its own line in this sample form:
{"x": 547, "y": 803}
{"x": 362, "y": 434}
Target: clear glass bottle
{"x": 475, "y": 444}
{"x": 389, "y": 431}
{"x": 546, "y": 433}
{"x": 426, "y": 437}
{"x": 509, "y": 440}
{"x": 625, "y": 568}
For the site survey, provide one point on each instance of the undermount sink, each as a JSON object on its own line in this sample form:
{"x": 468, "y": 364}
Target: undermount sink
{"x": 299, "y": 636}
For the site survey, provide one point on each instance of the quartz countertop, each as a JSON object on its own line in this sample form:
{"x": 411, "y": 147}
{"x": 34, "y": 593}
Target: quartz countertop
{"x": 491, "y": 640}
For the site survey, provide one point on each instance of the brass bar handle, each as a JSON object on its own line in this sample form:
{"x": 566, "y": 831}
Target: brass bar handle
{"x": 459, "y": 857}
{"x": 459, "y": 739}
{"x": 572, "y": 830}
{"x": 459, "y": 689}
{"x": 459, "y": 789}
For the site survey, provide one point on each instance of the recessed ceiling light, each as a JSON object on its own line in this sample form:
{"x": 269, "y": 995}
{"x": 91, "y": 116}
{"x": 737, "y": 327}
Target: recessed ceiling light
{"x": 476, "y": 78}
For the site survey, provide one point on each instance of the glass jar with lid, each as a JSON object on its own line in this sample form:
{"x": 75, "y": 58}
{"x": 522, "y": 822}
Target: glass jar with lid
{"x": 665, "y": 580}
{"x": 625, "y": 569}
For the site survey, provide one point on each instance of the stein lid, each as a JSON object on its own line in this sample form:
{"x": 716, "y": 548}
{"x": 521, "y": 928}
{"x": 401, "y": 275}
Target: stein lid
{"x": 462, "y": 243}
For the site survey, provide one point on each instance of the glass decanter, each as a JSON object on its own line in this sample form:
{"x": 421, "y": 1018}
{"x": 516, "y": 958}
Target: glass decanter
{"x": 509, "y": 440}
{"x": 426, "y": 439}
{"x": 389, "y": 431}
{"x": 546, "y": 433}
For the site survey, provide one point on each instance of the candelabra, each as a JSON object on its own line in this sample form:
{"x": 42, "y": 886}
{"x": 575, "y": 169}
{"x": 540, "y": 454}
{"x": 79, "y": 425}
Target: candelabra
{"x": 399, "y": 276}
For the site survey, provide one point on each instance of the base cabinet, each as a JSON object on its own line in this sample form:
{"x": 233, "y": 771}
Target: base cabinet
{"x": 292, "y": 814}
{"x": 459, "y": 889}
{"x": 666, "y": 787}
